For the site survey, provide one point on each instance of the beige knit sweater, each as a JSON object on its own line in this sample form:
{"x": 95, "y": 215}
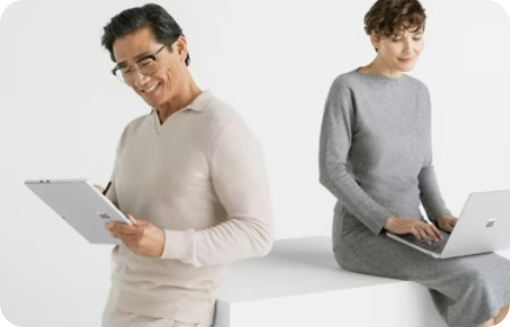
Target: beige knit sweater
{"x": 201, "y": 177}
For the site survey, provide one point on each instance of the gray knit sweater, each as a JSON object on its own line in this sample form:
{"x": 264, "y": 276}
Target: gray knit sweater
{"x": 375, "y": 150}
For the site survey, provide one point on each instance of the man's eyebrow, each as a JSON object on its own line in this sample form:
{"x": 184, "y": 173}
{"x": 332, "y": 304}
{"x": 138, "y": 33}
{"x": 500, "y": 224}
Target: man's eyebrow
{"x": 142, "y": 55}
{"x": 135, "y": 58}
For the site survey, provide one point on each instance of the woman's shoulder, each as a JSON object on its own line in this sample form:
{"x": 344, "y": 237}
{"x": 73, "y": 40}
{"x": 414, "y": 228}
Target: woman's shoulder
{"x": 354, "y": 79}
{"x": 346, "y": 79}
{"x": 417, "y": 83}
{"x": 346, "y": 84}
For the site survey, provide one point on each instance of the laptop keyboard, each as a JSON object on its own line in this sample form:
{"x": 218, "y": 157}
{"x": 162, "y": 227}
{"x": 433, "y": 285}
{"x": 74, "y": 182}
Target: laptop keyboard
{"x": 436, "y": 247}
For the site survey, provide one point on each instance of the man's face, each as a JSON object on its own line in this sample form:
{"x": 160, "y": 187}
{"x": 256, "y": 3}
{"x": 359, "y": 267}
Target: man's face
{"x": 166, "y": 72}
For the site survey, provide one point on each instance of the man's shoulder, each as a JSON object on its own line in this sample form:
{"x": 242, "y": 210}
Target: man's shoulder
{"x": 221, "y": 113}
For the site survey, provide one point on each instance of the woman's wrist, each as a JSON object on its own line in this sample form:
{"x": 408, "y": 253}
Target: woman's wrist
{"x": 391, "y": 222}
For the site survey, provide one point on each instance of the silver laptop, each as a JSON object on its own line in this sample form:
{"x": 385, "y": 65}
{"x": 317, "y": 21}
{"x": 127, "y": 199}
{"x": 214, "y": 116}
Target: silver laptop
{"x": 81, "y": 205}
{"x": 483, "y": 227}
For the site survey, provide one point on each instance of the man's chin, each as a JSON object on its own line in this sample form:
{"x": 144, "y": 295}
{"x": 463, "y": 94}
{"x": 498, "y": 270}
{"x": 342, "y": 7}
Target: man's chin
{"x": 154, "y": 103}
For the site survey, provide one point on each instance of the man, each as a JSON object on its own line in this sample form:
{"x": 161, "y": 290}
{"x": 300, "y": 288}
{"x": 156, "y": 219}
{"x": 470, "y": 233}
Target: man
{"x": 191, "y": 177}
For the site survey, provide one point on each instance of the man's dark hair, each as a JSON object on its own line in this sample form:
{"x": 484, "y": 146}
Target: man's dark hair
{"x": 164, "y": 28}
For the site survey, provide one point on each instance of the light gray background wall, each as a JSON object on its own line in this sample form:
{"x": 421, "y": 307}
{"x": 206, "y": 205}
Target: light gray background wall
{"x": 61, "y": 114}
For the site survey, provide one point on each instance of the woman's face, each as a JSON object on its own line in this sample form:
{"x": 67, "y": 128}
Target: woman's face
{"x": 401, "y": 50}
{"x": 167, "y": 81}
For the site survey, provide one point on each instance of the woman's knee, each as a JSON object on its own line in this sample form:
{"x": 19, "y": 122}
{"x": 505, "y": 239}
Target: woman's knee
{"x": 351, "y": 262}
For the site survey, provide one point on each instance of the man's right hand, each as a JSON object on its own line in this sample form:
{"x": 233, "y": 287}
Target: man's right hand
{"x": 420, "y": 229}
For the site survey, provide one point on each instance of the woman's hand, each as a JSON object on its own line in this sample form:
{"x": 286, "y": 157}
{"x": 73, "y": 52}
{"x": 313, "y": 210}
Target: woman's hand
{"x": 446, "y": 222}
{"x": 420, "y": 229}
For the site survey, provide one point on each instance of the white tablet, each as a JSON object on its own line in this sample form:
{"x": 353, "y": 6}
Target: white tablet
{"x": 81, "y": 205}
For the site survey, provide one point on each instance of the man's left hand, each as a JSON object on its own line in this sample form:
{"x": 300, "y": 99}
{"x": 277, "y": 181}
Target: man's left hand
{"x": 142, "y": 238}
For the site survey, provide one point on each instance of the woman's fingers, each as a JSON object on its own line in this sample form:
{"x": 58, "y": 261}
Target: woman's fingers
{"x": 437, "y": 232}
{"x": 427, "y": 238}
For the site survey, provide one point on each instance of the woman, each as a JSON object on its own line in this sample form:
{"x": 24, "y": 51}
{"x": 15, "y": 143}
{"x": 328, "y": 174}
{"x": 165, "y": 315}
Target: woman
{"x": 191, "y": 177}
{"x": 376, "y": 159}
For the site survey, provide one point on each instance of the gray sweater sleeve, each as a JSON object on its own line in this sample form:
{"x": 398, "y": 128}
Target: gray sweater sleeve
{"x": 335, "y": 142}
{"x": 430, "y": 195}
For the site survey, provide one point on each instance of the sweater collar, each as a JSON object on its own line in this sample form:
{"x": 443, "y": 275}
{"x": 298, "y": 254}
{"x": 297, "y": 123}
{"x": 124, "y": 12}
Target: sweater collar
{"x": 200, "y": 103}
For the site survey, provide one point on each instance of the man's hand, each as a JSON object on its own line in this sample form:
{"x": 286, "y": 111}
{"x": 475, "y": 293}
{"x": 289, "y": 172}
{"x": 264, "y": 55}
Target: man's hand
{"x": 446, "y": 222}
{"x": 99, "y": 188}
{"x": 142, "y": 238}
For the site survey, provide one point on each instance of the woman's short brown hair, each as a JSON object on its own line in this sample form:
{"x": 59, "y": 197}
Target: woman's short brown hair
{"x": 387, "y": 16}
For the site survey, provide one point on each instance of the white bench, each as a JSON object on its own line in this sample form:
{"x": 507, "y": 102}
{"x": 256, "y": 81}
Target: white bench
{"x": 300, "y": 284}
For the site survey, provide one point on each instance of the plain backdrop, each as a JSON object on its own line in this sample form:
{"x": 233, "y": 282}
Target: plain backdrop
{"x": 62, "y": 112}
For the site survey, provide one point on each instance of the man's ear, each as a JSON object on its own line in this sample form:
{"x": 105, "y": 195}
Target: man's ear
{"x": 181, "y": 47}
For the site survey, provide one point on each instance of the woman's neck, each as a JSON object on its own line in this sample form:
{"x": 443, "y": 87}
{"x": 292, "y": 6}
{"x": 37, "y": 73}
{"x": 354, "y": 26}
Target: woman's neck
{"x": 378, "y": 67}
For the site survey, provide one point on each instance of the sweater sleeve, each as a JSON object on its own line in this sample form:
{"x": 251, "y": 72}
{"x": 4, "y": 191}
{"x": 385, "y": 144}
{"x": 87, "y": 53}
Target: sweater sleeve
{"x": 239, "y": 178}
{"x": 335, "y": 142}
{"x": 430, "y": 194}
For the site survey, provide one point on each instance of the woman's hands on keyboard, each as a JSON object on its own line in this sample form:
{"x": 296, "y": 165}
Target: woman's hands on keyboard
{"x": 419, "y": 228}
{"x": 446, "y": 222}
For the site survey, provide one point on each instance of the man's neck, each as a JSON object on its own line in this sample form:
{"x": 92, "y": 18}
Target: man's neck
{"x": 182, "y": 100}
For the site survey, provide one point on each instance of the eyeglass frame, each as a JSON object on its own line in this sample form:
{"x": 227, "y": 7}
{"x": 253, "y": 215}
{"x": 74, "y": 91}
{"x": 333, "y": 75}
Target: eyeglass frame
{"x": 152, "y": 56}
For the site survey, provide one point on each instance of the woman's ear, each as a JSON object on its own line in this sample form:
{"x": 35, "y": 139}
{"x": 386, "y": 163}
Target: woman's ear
{"x": 375, "y": 40}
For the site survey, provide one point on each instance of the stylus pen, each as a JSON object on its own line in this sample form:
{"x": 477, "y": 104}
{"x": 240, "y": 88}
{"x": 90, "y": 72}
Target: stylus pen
{"x": 107, "y": 187}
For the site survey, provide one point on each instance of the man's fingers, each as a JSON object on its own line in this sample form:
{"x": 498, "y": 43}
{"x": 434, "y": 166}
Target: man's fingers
{"x": 123, "y": 229}
{"x": 135, "y": 221}
{"x": 126, "y": 239}
{"x": 132, "y": 244}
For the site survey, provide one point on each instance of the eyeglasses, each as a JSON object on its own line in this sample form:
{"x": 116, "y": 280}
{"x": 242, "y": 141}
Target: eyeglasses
{"x": 146, "y": 66}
